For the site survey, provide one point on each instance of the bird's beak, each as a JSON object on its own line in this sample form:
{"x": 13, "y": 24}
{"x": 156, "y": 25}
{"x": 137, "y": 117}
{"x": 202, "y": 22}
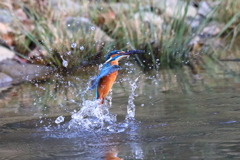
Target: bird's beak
{"x": 123, "y": 54}
{"x": 131, "y": 52}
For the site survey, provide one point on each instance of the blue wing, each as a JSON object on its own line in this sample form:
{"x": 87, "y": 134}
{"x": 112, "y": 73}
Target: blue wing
{"x": 104, "y": 72}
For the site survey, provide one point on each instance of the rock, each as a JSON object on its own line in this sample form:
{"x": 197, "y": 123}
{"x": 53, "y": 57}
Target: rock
{"x": 211, "y": 30}
{"x": 4, "y": 28}
{"x": 7, "y": 39}
{"x": 23, "y": 18}
{"x": 76, "y": 24}
{"x": 119, "y": 7}
{"x": 149, "y": 17}
{"x": 100, "y": 36}
{"x": 20, "y": 72}
{"x": 63, "y": 8}
{"x": 143, "y": 22}
{"x": 4, "y": 78}
{"x": 5, "y": 53}
{"x": 20, "y": 14}
{"x": 63, "y": 5}
{"x": 205, "y": 10}
{"x": 174, "y": 8}
{"x": 107, "y": 18}
{"x": 4, "y": 86}
{"x": 5, "y": 16}
{"x": 194, "y": 22}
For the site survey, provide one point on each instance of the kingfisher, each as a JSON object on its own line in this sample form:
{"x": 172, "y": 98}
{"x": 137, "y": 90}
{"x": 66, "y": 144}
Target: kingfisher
{"x": 108, "y": 74}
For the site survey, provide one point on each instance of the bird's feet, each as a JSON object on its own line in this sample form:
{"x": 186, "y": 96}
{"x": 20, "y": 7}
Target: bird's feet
{"x": 101, "y": 101}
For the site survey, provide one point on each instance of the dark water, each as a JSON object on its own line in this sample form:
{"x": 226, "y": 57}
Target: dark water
{"x": 176, "y": 118}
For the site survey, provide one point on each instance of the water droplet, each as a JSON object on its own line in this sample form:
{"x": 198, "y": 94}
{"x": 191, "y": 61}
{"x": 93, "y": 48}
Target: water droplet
{"x": 73, "y": 45}
{"x": 69, "y": 25}
{"x": 142, "y": 105}
{"x": 100, "y": 66}
{"x": 42, "y": 88}
{"x": 81, "y": 48}
{"x": 64, "y": 63}
{"x": 69, "y": 52}
{"x": 92, "y": 28}
{"x": 59, "y": 119}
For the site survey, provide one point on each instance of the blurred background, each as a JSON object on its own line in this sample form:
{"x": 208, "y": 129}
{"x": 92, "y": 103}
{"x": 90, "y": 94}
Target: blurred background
{"x": 74, "y": 33}
{"x": 183, "y": 91}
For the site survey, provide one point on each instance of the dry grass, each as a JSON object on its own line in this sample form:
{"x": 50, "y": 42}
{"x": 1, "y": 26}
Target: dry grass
{"x": 65, "y": 34}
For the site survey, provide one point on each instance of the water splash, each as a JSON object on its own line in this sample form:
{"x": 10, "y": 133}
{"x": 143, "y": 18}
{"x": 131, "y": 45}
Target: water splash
{"x": 131, "y": 106}
{"x": 59, "y": 119}
{"x": 81, "y": 48}
{"x": 64, "y": 62}
{"x": 73, "y": 45}
{"x": 92, "y": 116}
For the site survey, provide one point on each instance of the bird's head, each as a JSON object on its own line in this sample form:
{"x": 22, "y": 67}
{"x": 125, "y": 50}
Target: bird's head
{"x": 117, "y": 54}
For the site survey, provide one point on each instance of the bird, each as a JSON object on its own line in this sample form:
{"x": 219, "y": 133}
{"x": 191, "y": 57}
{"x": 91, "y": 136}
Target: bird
{"x": 108, "y": 74}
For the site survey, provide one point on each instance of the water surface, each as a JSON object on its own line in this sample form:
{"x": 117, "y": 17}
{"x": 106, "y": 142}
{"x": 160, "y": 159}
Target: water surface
{"x": 176, "y": 117}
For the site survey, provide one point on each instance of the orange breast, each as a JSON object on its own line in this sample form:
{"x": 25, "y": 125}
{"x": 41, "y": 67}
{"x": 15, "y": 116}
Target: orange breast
{"x": 106, "y": 83}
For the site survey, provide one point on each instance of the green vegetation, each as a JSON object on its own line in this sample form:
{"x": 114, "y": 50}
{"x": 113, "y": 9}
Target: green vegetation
{"x": 66, "y": 34}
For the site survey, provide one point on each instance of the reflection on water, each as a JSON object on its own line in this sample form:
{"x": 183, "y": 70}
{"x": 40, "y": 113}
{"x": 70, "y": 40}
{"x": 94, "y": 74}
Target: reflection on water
{"x": 175, "y": 117}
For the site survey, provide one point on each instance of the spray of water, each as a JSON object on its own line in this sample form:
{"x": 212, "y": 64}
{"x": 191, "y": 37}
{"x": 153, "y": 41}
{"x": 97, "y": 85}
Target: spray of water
{"x": 92, "y": 116}
{"x": 96, "y": 117}
{"x": 131, "y": 106}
